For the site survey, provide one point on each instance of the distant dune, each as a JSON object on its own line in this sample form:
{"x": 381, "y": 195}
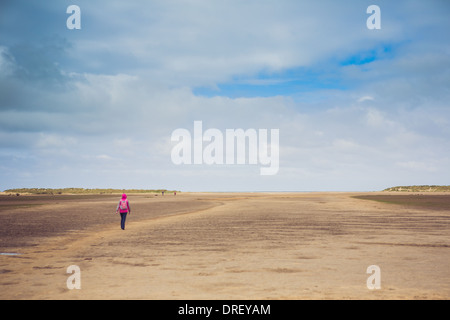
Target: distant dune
{"x": 424, "y": 188}
{"x": 79, "y": 191}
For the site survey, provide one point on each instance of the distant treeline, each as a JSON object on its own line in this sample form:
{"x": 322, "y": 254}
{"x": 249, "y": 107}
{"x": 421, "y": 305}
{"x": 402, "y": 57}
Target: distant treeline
{"x": 81, "y": 191}
{"x": 425, "y": 188}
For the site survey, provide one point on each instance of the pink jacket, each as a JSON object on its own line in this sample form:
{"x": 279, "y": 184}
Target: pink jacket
{"x": 124, "y": 198}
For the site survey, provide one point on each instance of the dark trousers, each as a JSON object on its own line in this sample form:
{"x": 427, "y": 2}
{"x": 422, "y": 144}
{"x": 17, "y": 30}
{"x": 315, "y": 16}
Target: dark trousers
{"x": 123, "y": 216}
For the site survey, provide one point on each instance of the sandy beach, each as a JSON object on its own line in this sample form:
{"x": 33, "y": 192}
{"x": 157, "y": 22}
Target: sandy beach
{"x": 226, "y": 246}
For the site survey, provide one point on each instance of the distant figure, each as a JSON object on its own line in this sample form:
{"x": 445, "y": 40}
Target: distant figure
{"x": 124, "y": 208}
{"x": 174, "y": 193}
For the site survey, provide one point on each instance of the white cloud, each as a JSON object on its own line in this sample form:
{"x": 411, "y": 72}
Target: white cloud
{"x": 46, "y": 141}
{"x": 6, "y": 65}
{"x": 366, "y": 98}
{"x": 417, "y": 166}
{"x": 126, "y": 82}
{"x": 104, "y": 157}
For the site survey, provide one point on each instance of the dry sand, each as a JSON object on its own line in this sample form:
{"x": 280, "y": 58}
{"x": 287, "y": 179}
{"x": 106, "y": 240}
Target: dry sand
{"x": 225, "y": 246}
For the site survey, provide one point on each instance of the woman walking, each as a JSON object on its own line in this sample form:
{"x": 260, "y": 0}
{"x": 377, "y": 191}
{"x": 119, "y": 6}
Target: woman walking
{"x": 124, "y": 208}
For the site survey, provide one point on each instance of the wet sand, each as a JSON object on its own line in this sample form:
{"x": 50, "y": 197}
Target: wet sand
{"x": 226, "y": 246}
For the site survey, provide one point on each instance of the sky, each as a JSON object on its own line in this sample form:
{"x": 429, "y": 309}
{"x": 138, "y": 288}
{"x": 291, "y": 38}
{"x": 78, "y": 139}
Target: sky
{"x": 356, "y": 108}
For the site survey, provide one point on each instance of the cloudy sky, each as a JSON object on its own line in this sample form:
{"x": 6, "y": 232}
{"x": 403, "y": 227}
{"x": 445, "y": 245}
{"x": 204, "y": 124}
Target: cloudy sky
{"x": 357, "y": 109}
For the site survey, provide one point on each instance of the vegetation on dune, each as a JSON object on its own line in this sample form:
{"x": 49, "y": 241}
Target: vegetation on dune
{"x": 424, "y": 188}
{"x": 81, "y": 191}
